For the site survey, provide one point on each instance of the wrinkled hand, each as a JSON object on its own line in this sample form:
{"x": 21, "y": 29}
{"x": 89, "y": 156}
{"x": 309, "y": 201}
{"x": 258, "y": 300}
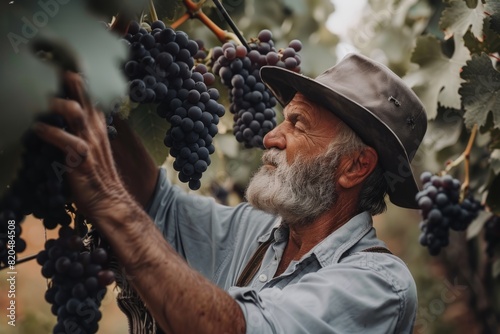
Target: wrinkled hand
{"x": 89, "y": 165}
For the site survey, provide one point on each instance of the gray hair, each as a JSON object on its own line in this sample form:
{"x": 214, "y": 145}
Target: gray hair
{"x": 374, "y": 189}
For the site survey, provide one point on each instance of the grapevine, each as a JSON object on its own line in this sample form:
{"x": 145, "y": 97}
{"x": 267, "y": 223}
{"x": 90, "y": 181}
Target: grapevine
{"x": 251, "y": 102}
{"x": 78, "y": 280}
{"x": 166, "y": 69}
{"x": 444, "y": 203}
{"x": 162, "y": 71}
{"x": 441, "y": 210}
{"x": 38, "y": 190}
{"x": 74, "y": 287}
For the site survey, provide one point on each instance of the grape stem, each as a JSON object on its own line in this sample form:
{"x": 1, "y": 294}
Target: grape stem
{"x": 152, "y": 11}
{"x": 120, "y": 24}
{"x": 464, "y": 157}
{"x": 231, "y": 23}
{"x": 187, "y": 15}
{"x": 494, "y": 57}
{"x": 194, "y": 11}
{"x": 24, "y": 259}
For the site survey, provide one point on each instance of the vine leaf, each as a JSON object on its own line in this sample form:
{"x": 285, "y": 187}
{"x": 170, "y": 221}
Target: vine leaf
{"x": 495, "y": 161}
{"x": 438, "y": 77}
{"x": 65, "y": 27}
{"x": 26, "y": 83}
{"x": 112, "y": 7}
{"x": 296, "y": 6}
{"x": 444, "y": 131}
{"x": 151, "y": 129}
{"x": 477, "y": 225}
{"x": 169, "y": 10}
{"x": 490, "y": 41}
{"x": 457, "y": 18}
{"x": 493, "y": 8}
{"x": 480, "y": 91}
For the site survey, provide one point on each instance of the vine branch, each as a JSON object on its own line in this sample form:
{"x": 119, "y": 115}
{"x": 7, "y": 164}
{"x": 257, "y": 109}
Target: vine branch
{"x": 465, "y": 157}
{"x": 193, "y": 10}
{"x": 152, "y": 11}
{"x": 181, "y": 20}
{"x": 231, "y": 23}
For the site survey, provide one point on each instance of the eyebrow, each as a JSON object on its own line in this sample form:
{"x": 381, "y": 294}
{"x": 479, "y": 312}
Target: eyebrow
{"x": 293, "y": 116}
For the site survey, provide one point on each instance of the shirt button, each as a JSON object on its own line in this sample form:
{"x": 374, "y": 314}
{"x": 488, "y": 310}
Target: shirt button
{"x": 262, "y": 278}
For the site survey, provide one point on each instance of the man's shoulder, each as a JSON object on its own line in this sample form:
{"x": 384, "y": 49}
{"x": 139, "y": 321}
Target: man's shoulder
{"x": 388, "y": 267}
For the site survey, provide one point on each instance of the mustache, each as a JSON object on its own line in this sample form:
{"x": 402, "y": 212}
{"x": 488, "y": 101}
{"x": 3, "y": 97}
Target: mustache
{"x": 274, "y": 157}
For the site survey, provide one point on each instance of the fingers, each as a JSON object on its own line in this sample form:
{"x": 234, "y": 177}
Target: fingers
{"x": 72, "y": 112}
{"x": 77, "y": 91}
{"x": 61, "y": 139}
{"x": 77, "y": 108}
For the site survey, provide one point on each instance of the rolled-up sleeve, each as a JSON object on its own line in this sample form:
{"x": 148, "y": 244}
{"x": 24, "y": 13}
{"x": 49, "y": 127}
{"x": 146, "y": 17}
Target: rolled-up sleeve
{"x": 340, "y": 299}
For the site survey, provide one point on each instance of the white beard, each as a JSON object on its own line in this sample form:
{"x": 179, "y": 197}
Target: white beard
{"x": 299, "y": 192}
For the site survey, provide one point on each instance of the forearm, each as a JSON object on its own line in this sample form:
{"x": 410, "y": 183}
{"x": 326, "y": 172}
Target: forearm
{"x": 179, "y": 298}
{"x": 137, "y": 168}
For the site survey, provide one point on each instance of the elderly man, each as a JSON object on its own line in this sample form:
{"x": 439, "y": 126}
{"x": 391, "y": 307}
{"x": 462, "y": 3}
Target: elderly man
{"x": 302, "y": 255}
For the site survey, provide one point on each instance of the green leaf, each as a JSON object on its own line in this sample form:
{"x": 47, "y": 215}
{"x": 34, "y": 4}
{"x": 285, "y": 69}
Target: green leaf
{"x": 457, "y": 18}
{"x": 477, "y": 225}
{"x": 113, "y": 7}
{"x": 489, "y": 43}
{"x": 151, "y": 128}
{"x": 495, "y": 161}
{"x": 438, "y": 77}
{"x": 493, "y": 198}
{"x": 27, "y": 83}
{"x": 169, "y": 10}
{"x": 493, "y": 9}
{"x": 480, "y": 91}
{"x": 99, "y": 52}
{"x": 444, "y": 131}
{"x": 296, "y": 6}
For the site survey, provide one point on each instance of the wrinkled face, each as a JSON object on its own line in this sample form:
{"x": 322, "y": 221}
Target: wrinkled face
{"x": 307, "y": 129}
{"x": 297, "y": 180}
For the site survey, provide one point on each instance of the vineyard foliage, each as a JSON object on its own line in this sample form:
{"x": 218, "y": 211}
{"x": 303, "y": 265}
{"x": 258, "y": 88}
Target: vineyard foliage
{"x": 447, "y": 51}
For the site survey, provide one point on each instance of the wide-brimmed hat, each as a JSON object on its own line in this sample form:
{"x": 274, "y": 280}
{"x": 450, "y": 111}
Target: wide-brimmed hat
{"x": 375, "y": 103}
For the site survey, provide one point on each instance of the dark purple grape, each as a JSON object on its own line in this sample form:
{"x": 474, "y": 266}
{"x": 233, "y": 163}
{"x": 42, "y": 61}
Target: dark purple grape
{"x": 162, "y": 70}
{"x": 441, "y": 210}
{"x": 238, "y": 69}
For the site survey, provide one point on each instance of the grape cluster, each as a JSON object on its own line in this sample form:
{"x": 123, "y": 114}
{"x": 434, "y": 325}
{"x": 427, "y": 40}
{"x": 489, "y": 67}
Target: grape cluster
{"x": 193, "y": 115}
{"x": 441, "y": 210}
{"x": 38, "y": 189}
{"x": 78, "y": 280}
{"x": 251, "y": 101}
{"x": 162, "y": 71}
{"x": 492, "y": 234}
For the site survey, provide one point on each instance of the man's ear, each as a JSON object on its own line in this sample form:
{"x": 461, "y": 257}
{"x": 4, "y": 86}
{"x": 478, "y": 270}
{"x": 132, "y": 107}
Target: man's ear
{"x": 356, "y": 167}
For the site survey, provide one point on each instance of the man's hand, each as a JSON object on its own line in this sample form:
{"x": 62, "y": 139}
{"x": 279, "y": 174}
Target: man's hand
{"x": 180, "y": 299}
{"x": 93, "y": 178}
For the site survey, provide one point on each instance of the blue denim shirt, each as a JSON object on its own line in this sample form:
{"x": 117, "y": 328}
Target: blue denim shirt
{"x": 334, "y": 288}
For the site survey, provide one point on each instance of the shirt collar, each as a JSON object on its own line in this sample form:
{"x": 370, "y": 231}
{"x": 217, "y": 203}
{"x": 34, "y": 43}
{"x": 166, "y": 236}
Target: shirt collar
{"x": 330, "y": 249}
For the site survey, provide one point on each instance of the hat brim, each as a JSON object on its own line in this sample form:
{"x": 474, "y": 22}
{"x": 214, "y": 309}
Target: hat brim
{"x": 402, "y": 188}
